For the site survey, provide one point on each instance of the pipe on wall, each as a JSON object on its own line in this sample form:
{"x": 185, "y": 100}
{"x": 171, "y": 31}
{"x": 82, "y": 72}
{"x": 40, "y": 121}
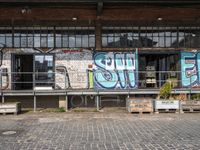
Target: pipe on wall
{"x": 1, "y": 60}
{"x": 1, "y": 53}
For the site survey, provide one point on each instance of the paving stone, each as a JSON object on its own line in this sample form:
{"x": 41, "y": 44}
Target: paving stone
{"x": 119, "y": 131}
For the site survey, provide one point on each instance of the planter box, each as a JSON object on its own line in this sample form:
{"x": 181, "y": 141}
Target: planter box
{"x": 139, "y": 105}
{"x": 166, "y": 105}
{"x": 10, "y": 108}
{"x": 190, "y": 106}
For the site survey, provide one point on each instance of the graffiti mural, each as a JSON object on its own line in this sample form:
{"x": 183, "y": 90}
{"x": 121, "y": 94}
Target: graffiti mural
{"x": 76, "y": 64}
{"x": 190, "y": 69}
{"x": 115, "y": 70}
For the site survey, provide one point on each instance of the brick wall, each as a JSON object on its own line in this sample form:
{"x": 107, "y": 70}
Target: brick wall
{"x": 109, "y": 13}
{"x": 76, "y": 64}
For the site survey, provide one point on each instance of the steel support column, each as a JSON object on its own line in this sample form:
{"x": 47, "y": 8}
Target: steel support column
{"x": 97, "y": 102}
{"x": 35, "y": 103}
{"x": 2, "y": 98}
{"x": 66, "y": 102}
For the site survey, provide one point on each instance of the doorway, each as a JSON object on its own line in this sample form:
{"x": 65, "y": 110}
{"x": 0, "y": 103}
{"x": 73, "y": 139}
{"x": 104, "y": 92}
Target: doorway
{"x": 33, "y": 71}
{"x": 22, "y": 68}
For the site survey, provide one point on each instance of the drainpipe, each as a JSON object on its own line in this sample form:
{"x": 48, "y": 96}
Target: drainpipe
{"x": 50, "y": 50}
{"x": 1, "y": 57}
{"x": 41, "y": 51}
{"x": 1, "y": 53}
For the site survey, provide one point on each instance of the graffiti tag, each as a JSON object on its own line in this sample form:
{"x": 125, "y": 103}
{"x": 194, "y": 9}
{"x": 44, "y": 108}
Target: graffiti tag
{"x": 115, "y": 70}
{"x": 190, "y": 69}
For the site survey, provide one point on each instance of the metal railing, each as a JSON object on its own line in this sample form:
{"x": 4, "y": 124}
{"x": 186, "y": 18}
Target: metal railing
{"x": 97, "y": 79}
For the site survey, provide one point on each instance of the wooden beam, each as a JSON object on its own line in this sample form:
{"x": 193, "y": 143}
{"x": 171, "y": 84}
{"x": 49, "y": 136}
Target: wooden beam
{"x": 98, "y": 35}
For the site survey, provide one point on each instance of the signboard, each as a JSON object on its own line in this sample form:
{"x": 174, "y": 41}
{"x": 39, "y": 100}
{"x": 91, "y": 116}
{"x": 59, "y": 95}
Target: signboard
{"x": 167, "y": 104}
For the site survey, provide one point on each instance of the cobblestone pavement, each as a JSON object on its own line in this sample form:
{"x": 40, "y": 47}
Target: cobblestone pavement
{"x": 100, "y": 131}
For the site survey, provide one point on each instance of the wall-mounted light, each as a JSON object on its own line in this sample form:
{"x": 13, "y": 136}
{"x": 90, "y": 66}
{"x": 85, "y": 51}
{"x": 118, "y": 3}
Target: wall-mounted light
{"x": 25, "y": 10}
{"x": 193, "y": 35}
{"x": 159, "y": 18}
{"x": 74, "y": 18}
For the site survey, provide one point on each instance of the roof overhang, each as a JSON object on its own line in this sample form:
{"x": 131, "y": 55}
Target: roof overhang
{"x": 104, "y": 1}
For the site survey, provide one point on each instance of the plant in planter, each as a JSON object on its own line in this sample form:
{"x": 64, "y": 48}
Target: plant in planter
{"x": 192, "y": 105}
{"x": 165, "y": 100}
{"x": 165, "y": 90}
{"x": 173, "y": 81}
{"x": 195, "y": 97}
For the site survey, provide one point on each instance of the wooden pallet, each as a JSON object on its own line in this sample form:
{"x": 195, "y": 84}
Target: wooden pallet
{"x": 141, "y": 112}
{"x": 191, "y": 110}
{"x": 157, "y": 111}
{"x": 190, "y": 106}
{"x": 6, "y": 113}
{"x": 139, "y": 105}
{"x": 10, "y": 108}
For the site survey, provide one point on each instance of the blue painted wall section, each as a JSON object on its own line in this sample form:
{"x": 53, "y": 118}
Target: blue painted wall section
{"x": 115, "y": 70}
{"x": 190, "y": 69}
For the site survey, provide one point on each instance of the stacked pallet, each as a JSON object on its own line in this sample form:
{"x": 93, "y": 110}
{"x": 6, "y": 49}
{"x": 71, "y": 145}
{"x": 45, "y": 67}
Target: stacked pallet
{"x": 134, "y": 105}
{"x": 6, "y": 108}
{"x": 190, "y": 106}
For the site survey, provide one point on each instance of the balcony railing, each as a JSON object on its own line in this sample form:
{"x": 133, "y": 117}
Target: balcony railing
{"x": 125, "y": 80}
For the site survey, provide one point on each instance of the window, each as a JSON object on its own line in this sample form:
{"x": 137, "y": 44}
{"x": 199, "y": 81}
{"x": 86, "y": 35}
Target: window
{"x": 79, "y": 37}
{"x": 48, "y": 37}
{"x": 149, "y": 37}
{"x": 44, "y": 68}
{"x": 6, "y": 36}
{"x": 120, "y": 37}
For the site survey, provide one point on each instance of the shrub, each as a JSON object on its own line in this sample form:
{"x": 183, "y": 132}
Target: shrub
{"x": 61, "y": 109}
{"x": 195, "y": 97}
{"x": 165, "y": 90}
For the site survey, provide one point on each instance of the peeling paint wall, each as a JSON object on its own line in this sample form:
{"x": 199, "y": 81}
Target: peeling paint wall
{"x": 76, "y": 64}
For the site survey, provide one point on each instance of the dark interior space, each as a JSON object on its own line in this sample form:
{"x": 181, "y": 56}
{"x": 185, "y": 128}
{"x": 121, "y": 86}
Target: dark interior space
{"x": 43, "y": 102}
{"x": 22, "y": 67}
{"x": 90, "y": 101}
{"x": 153, "y": 69}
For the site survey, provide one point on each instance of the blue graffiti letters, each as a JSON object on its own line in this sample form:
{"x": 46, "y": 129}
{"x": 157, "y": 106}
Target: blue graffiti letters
{"x": 105, "y": 77}
{"x": 115, "y": 70}
{"x": 190, "y": 68}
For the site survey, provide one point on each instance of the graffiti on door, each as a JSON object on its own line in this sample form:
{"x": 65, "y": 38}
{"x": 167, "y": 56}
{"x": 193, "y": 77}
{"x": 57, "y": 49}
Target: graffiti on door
{"x": 190, "y": 69}
{"x": 115, "y": 70}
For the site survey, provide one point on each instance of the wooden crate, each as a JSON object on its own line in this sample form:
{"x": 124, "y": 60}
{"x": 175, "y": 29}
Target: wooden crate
{"x": 6, "y": 108}
{"x": 190, "y": 106}
{"x": 139, "y": 105}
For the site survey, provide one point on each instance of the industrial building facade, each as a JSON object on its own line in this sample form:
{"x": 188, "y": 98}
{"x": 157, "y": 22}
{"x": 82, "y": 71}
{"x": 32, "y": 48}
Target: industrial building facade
{"x": 91, "y": 53}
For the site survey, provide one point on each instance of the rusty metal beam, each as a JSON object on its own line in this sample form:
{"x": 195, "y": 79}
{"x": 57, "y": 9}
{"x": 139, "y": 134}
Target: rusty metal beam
{"x": 104, "y": 1}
